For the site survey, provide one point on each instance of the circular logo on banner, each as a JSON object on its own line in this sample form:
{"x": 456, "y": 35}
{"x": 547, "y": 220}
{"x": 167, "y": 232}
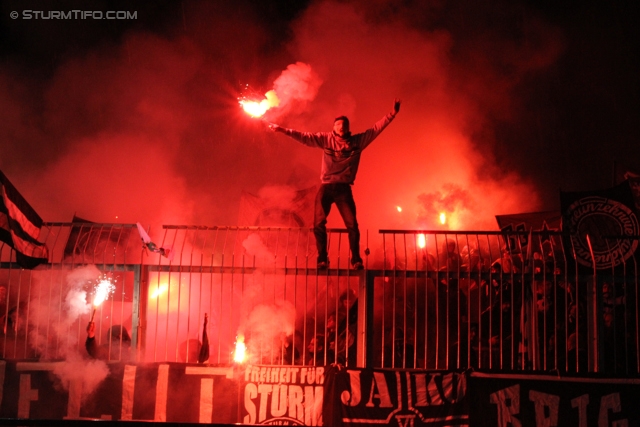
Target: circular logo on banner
{"x": 283, "y": 421}
{"x": 600, "y": 218}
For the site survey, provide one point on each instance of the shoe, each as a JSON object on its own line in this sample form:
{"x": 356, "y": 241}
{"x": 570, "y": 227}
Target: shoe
{"x": 357, "y": 266}
{"x": 322, "y": 265}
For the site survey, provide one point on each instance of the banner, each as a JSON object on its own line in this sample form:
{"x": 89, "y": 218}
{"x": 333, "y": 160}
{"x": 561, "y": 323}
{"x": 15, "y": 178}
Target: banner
{"x": 523, "y": 401}
{"x": 88, "y": 241}
{"x": 160, "y": 392}
{"x": 283, "y": 395}
{"x": 309, "y": 395}
{"x": 271, "y": 395}
{"x": 518, "y": 228}
{"x": 365, "y": 397}
{"x": 20, "y": 226}
{"x": 596, "y": 224}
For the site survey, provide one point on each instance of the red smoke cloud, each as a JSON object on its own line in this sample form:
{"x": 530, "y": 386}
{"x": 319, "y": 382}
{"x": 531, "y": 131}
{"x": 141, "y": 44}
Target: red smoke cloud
{"x": 441, "y": 140}
{"x": 148, "y": 129}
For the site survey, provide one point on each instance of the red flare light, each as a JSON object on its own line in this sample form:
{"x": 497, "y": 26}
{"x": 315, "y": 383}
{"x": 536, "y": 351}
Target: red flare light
{"x": 258, "y": 108}
{"x": 422, "y": 241}
{"x": 159, "y": 291}
{"x": 240, "y": 354}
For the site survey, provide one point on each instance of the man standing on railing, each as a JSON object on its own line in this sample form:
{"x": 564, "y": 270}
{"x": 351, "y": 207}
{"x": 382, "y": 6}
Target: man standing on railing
{"x": 340, "y": 162}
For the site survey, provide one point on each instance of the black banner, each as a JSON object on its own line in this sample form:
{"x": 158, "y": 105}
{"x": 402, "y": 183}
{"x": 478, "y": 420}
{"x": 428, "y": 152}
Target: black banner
{"x": 271, "y": 395}
{"x": 161, "y": 392}
{"x": 596, "y": 223}
{"x": 357, "y": 397}
{"x": 520, "y": 401}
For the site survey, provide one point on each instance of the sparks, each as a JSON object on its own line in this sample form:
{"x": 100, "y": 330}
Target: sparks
{"x": 258, "y": 108}
{"x": 102, "y": 291}
{"x": 399, "y": 208}
{"x": 239, "y": 355}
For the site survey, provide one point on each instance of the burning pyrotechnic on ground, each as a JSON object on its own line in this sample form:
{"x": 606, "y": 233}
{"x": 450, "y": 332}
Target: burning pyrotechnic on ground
{"x": 240, "y": 354}
{"x": 258, "y": 108}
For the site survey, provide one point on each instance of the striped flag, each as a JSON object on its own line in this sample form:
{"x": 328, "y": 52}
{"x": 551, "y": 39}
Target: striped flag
{"x": 20, "y": 226}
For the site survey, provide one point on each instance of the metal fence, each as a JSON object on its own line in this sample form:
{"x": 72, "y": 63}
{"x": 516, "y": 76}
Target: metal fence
{"x": 426, "y": 300}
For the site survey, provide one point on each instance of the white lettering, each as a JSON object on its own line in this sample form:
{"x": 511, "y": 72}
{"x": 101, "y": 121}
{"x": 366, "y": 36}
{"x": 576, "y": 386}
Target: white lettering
{"x": 581, "y": 403}
{"x": 542, "y": 401}
{"x": 610, "y": 401}
{"x": 380, "y": 383}
{"x": 508, "y": 403}
{"x": 250, "y": 393}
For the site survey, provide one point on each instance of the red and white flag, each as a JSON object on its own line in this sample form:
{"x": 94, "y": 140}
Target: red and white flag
{"x": 20, "y": 226}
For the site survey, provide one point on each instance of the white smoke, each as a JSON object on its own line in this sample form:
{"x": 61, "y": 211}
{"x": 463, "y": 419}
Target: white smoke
{"x": 57, "y": 338}
{"x": 265, "y": 329}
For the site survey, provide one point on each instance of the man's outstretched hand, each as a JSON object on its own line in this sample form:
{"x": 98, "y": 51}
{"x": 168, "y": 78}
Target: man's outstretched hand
{"x": 272, "y": 127}
{"x": 396, "y": 106}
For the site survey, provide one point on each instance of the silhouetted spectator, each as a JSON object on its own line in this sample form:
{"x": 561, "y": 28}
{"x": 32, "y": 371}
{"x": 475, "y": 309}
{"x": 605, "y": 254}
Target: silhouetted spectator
{"x": 117, "y": 347}
{"x": 316, "y": 352}
{"x": 400, "y": 354}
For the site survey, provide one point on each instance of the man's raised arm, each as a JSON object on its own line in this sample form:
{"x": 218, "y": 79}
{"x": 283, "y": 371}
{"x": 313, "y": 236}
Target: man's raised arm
{"x": 306, "y": 138}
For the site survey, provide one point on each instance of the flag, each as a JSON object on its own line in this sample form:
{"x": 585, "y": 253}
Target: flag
{"x": 88, "y": 240}
{"x": 608, "y": 217}
{"x": 20, "y": 226}
{"x": 516, "y": 225}
{"x": 204, "y": 350}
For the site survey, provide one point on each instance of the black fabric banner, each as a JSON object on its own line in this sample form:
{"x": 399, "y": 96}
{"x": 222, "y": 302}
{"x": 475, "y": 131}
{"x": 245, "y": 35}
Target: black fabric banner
{"x": 365, "y": 397}
{"x": 161, "y": 392}
{"x": 283, "y": 395}
{"x": 520, "y": 401}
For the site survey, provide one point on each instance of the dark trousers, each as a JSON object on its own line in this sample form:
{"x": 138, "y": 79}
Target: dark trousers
{"x": 341, "y": 195}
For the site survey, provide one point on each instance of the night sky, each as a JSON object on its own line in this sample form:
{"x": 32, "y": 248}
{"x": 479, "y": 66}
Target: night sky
{"x": 505, "y": 103}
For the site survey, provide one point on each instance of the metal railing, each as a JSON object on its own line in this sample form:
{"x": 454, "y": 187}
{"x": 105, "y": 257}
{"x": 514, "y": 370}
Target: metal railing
{"x": 426, "y": 300}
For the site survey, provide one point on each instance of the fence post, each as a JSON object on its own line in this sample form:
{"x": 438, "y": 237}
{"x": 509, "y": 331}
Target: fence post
{"x": 139, "y": 310}
{"x": 365, "y": 320}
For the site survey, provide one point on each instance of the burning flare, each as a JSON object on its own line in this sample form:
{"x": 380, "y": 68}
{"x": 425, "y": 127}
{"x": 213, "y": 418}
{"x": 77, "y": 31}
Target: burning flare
{"x": 162, "y": 289}
{"x": 258, "y": 108}
{"x": 422, "y": 241}
{"x": 101, "y": 292}
{"x": 240, "y": 354}
{"x": 443, "y": 218}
